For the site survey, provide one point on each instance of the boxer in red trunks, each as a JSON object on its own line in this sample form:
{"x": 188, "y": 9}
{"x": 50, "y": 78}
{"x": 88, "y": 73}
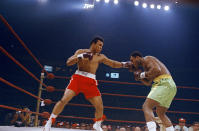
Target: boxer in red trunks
{"x": 84, "y": 81}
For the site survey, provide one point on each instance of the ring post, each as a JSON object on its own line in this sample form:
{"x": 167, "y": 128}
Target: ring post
{"x": 39, "y": 95}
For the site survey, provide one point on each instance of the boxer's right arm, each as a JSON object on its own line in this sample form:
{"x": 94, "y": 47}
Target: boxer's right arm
{"x": 73, "y": 59}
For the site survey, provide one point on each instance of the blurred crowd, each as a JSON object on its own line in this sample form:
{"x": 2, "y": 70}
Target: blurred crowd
{"x": 181, "y": 126}
{"x": 21, "y": 119}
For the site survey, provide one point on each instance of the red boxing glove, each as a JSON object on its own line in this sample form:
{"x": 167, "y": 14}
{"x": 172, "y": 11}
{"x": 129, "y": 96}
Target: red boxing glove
{"x": 137, "y": 74}
{"x": 127, "y": 64}
{"x": 85, "y": 55}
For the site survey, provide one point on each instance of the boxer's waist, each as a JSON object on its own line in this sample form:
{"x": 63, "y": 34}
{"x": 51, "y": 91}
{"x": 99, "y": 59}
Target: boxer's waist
{"x": 86, "y": 74}
{"x": 157, "y": 79}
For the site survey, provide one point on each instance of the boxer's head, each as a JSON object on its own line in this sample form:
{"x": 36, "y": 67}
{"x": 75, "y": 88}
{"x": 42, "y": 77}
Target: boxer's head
{"x": 96, "y": 44}
{"x": 136, "y": 58}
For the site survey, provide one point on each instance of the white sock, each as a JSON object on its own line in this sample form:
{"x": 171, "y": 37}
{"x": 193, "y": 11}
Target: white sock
{"x": 98, "y": 122}
{"x": 151, "y": 126}
{"x": 53, "y": 116}
{"x": 170, "y": 128}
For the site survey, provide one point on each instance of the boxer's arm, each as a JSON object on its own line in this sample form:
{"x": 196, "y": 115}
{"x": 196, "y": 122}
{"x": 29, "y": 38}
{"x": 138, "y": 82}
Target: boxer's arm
{"x": 146, "y": 82}
{"x": 111, "y": 63}
{"x": 73, "y": 59}
{"x": 153, "y": 70}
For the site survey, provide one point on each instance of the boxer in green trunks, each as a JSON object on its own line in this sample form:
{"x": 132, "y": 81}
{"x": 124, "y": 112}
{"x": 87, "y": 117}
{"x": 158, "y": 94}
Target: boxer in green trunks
{"x": 154, "y": 73}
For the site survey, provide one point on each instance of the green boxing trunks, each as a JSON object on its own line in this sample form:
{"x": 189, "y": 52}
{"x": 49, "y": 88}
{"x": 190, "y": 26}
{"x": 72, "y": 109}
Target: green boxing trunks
{"x": 163, "y": 90}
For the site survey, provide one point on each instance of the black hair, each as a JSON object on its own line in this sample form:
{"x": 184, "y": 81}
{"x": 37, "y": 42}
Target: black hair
{"x": 136, "y": 53}
{"x": 95, "y": 39}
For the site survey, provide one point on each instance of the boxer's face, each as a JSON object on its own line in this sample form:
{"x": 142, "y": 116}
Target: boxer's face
{"x": 135, "y": 61}
{"x": 97, "y": 47}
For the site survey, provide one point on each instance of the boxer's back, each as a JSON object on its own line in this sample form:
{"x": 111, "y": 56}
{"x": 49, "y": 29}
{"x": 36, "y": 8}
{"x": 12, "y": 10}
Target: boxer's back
{"x": 157, "y": 64}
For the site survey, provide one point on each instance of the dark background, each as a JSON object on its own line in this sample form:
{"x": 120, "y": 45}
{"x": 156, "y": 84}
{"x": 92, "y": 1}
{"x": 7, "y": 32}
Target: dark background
{"x": 56, "y": 29}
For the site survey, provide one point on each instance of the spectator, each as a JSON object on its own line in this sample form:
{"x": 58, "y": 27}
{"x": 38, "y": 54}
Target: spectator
{"x": 75, "y": 126}
{"x": 60, "y": 124}
{"x": 88, "y": 127}
{"x": 83, "y": 126}
{"x": 104, "y": 127}
{"x": 122, "y": 129}
{"x": 8, "y": 118}
{"x": 137, "y": 128}
{"x": 194, "y": 127}
{"x": 128, "y": 128}
{"x": 146, "y": 129}
{"x": 133, "y": 128}
{"x": 117, "y": 128}
{"x": 21, "y": 118}
{"x": 181, "y": 126}
{"x": 67, "y": 125}
{"x": 109, "y": 128}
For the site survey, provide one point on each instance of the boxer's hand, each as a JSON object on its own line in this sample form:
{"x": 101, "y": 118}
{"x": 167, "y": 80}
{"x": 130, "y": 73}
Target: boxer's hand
{"x": 137, "y": 74}
{"x": 85, "y": 55}
{"x": 127, "y": 64}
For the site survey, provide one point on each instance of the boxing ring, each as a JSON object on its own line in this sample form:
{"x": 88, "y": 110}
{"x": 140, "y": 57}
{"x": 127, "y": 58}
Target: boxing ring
{"x": 52, "y": 89}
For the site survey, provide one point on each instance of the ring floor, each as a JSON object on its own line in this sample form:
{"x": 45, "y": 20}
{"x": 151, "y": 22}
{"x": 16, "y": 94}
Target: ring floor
{"x": 12, "y": 128}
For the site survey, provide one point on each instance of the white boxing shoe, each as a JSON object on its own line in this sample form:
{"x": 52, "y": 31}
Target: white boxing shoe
{"x": 47, "y": 127}
{"x": 97, "y": 126}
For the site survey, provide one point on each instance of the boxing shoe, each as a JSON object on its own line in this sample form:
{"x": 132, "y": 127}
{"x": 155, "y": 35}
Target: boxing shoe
{"x": 48, "y": 124}
{"x": 97, "y": 126}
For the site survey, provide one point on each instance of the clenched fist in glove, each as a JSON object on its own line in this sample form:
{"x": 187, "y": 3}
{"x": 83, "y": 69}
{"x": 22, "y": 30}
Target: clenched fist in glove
{"x": 88, "y": 55}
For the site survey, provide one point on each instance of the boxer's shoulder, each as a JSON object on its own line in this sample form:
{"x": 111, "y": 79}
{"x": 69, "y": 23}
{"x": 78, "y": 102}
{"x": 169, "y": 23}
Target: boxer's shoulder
{"x": 79, "y": 51}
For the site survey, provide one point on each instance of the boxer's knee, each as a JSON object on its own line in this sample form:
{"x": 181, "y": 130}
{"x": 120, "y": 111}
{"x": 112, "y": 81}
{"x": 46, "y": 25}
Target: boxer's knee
{"x": 144, "y": 107}
{"x": 63, "y": 101}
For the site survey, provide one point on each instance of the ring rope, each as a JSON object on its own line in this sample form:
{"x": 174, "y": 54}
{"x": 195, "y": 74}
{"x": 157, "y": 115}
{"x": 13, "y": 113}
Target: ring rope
{"x": 122, "y": 121}
{"x": 20, "y": 89}
{"x": 72, "y": 117}
{"x": 20, "y": 65}
{"x": 127, "y": 83}
{"x": 85, "y": 105}
{"x": 21, "y": 41}
{"x": 134, "y": 96}
{"x": 132, "y": 109}
{"x": 17, "y": 109}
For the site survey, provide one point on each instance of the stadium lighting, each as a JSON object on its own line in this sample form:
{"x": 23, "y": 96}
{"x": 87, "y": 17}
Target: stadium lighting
{"x": 42, "y": 1}
{"x": 152, "y": 6}
{"x": 88, "y": 6}
{"x": 159, "y": 7}
{"x": 136, "y": 3}
{"x": 106, "y": 1}
{"x": 97, "y": 0}
{"x": 144, "y": 5}
{"x": 116, "y": 2}
{"x": 166, "y": 8}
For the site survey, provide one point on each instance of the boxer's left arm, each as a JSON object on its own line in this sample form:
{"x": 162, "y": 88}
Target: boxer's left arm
{"x": 112, "y": 63}
{"x": 146, "y": 82}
